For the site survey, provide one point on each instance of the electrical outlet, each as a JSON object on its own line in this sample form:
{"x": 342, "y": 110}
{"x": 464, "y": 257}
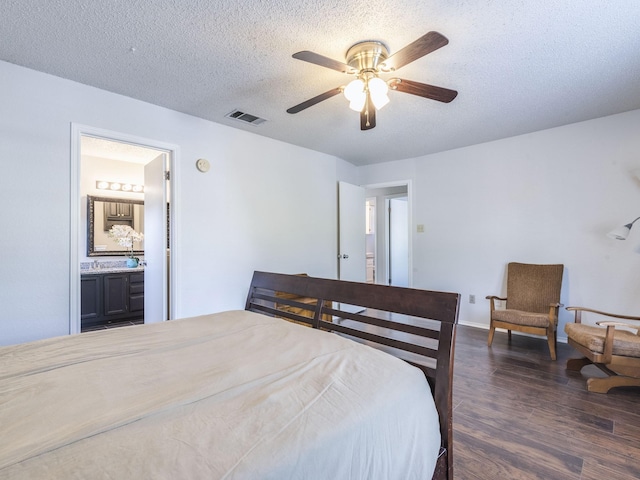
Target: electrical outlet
{"x": 472, "y": 299}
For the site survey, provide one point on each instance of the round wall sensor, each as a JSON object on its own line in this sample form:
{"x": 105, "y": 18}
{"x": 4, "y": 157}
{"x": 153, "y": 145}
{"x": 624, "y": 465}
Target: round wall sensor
{"x": 202, "y": 164}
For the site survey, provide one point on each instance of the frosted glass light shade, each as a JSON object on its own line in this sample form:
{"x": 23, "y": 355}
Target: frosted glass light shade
{"x": 354, "y": 92}
{"x": 620, "y": 233}
{"x": 354, "y": 89}
{"x": 357, "y": 104}
{"x": 378, "y": 89}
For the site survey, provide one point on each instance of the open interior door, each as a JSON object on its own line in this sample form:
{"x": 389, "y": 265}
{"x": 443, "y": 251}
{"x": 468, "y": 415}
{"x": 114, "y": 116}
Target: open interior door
{"x": 398, "y": 242}
{"x": 155, "y": 241}
{"x": 352, "y": 260}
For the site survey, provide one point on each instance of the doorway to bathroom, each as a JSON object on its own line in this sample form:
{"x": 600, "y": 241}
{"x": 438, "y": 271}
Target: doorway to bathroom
{"x": 124, "y": 187}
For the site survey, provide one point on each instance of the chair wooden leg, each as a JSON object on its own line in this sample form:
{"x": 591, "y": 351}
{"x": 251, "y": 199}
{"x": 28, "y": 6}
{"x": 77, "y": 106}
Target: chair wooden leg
{"x": 492, "y": 330}
{"x": 551, "y": 339}
{"x": 602, "y": 385}
{"x": 576, "y": 364}
{"x": 509, "y": 334}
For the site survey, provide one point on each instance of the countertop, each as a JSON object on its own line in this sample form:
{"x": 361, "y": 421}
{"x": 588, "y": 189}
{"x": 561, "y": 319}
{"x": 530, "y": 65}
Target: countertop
{"x": 97, "y": 271}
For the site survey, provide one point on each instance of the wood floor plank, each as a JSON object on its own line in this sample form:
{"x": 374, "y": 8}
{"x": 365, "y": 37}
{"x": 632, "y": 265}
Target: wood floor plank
{"x": 577, "y": 441}
{"x": 513, "y": 454}
{"x": 469, "y": 465}
{"x": 594, "y": 471}
{"x": 520, "y": 415}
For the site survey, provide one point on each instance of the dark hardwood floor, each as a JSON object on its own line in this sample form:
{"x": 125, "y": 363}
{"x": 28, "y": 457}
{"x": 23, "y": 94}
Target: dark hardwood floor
{"x": 519, "y": 415}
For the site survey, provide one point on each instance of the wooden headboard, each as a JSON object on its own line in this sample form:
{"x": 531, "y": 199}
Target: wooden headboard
{"x": 415, "y": 325}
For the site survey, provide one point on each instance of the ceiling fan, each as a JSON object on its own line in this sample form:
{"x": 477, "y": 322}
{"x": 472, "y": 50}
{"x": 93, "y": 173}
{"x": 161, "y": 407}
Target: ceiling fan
{"x": 367, "y": 60}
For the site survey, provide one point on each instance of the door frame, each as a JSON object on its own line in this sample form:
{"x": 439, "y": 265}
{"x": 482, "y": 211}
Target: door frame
{"x": 397, "y": 183}
{"x": 173, "y": 152}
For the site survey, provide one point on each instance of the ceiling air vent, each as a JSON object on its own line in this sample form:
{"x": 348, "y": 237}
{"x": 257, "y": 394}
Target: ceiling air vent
{"x": 245, "y": 117}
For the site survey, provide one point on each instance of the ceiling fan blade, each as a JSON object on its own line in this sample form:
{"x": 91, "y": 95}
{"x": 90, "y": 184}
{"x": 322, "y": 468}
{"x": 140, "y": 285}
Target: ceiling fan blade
{"x": 427, "y": 43}
{"x": 312, "y": 101}
{"x": 317, "y": 59}
{"x": 422, "y": 90}
{"x": 368, "y": 115}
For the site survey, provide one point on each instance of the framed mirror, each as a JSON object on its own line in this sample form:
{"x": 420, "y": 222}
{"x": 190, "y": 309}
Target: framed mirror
{"x": 102, "y": 214}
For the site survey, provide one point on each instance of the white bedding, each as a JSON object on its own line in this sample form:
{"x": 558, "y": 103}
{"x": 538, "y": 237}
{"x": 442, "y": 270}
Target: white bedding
{"x": 234, "y": 395}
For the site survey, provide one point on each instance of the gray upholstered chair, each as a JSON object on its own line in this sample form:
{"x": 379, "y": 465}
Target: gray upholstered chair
{"x": 615, "y": 351}
{"x": 532, "y": 302}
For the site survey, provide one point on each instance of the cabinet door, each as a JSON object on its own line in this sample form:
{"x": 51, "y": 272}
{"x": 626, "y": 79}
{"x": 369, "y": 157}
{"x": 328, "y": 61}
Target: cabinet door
{"x": 125, "y": 210}
{"x": 90, "y": 287}
{"x": 116, "y": 213}
{"x": 117, "y": 210}
{"x": 136, "y": 294}
{"x": 116, "y": 294}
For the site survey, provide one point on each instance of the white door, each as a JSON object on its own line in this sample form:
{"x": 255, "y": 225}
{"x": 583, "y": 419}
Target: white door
{"x": 398, "y": 242}
{"x": 352, "y": 260}
{"x": 155, "y": 241}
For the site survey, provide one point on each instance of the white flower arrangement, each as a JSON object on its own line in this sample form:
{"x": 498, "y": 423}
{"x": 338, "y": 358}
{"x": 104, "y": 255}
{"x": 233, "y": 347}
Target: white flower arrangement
{"x": 126, "y": 236}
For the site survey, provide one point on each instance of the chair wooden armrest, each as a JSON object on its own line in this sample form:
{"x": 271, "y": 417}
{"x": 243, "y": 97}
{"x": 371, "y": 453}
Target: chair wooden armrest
{"x": 578, "y": 312}
{"x": 619, "y": 324}
{"x": 553, "y": 312}
{"x": 493, "y": 299}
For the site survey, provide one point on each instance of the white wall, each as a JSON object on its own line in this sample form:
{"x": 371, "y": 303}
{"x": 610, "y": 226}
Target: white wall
{"x": 263, "y": 205}
{"x": 546, "y": 197}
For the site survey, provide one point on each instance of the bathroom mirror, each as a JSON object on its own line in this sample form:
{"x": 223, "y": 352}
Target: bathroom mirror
{"x": 102, "y": 214}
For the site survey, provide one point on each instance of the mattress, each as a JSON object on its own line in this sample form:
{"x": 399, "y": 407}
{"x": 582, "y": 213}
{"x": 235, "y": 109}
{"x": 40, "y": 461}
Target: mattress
{"x": 232, "y": 395}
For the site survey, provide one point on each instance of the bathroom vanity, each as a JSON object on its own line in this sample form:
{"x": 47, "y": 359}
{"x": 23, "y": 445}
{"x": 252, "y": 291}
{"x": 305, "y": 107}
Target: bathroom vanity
{"x": 111, "y": 296}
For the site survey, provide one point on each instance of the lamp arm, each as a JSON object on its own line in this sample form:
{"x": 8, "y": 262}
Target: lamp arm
{"x": 629, "y": 225}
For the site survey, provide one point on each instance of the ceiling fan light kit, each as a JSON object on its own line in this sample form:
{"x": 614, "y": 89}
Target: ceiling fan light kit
{"x": 367, "y": 60}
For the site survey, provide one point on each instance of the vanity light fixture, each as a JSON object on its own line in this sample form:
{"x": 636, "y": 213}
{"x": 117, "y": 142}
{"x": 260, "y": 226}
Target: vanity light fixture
{"x": 119, "y": 186}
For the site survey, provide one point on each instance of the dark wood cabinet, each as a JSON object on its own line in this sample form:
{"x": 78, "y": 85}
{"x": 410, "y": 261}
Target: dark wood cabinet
{"x": 136, "y": 294}
{"x": 111, "y": 298}
{"x": 116, "y": 294}
{"x": 90, "y": 298}
{"x": 116, "y": 213}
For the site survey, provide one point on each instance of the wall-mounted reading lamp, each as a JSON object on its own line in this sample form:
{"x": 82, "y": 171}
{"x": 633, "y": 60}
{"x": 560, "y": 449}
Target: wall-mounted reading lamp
{"x": 621, "y": 233}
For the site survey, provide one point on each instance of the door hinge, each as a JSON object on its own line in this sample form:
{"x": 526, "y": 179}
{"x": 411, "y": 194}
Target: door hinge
{"x": 167, "y": 175}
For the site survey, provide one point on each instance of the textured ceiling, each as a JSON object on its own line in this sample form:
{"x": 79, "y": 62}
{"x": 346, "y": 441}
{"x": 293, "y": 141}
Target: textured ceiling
{"x": 123, "y": 152}
{"x": 518, "y": 65}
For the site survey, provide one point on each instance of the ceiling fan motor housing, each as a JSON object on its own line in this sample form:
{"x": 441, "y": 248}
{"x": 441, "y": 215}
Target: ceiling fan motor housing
{"x": 366, "y": 56}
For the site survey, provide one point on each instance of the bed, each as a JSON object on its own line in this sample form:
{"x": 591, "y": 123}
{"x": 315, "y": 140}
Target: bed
{"x": 246, "y": 394}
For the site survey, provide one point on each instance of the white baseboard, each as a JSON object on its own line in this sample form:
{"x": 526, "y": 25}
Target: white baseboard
{"x": 484, "y": 326}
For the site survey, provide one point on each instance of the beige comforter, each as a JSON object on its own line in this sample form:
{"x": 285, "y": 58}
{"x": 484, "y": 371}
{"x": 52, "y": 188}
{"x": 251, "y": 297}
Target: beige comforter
{"x": 229, "y": 395}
